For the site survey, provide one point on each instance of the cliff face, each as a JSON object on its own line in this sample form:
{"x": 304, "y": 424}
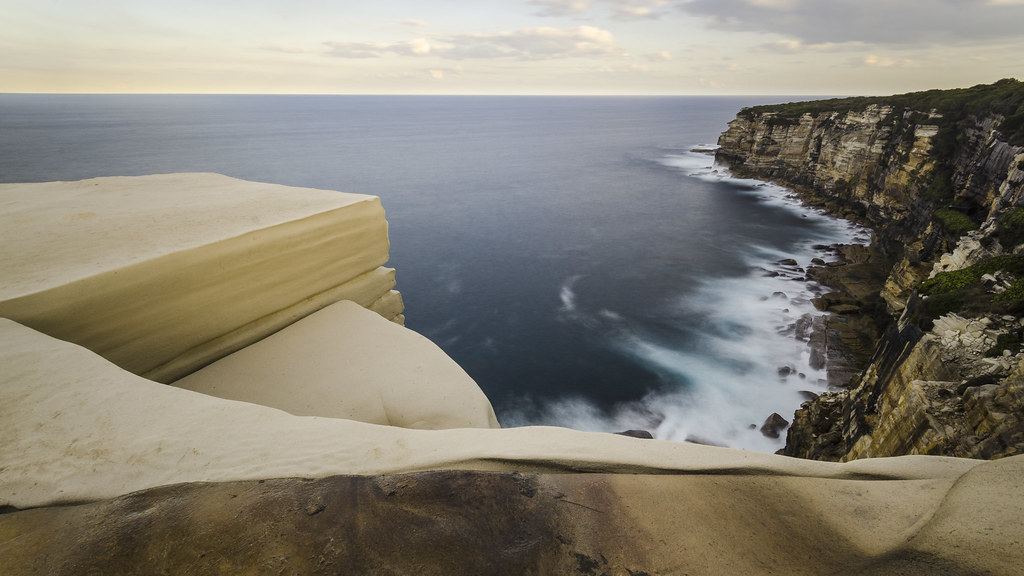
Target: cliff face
{"x": 863, "y": 161}
{"x": 938, "y": 176}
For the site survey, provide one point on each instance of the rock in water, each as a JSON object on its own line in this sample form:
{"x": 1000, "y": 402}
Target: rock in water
{"x": 774, "y": 425}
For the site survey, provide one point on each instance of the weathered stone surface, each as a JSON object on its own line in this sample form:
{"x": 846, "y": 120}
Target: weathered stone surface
{"x": 459, "y": 522}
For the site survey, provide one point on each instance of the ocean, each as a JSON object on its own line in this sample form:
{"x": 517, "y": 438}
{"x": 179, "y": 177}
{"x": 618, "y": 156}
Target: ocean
{"x": 580, "y": 257}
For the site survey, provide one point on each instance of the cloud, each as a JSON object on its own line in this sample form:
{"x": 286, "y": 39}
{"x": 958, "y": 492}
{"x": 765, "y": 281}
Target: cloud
{"x": 620, "y": 9}
{"x": 662, "y": 56}
{"x": 790, "y": 46}
{"x": 892, "y": 22}
{"x": 560, "y": 7}
{"x": 541, "y": 43}
{"x": 417, "y": 47}
{"x": 289, "y": 49}
{"x": 639, "y": 9}
{"x": 415, "y": 23}
{"x": 439, "y": 73}
{"x": 883, "y": 62}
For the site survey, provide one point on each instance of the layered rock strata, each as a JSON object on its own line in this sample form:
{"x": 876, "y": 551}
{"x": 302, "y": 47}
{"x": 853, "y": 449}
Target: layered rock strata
{"x": 939, "y": 178}
{"x": 94, "y": 261}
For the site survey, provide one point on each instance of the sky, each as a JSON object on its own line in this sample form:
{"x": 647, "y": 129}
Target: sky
{"x": 814, "y": 47}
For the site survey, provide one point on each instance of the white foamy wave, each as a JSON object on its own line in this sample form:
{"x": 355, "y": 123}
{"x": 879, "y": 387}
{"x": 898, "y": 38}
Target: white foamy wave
{"x": 567, "y": 295}
{"x": 699, "y": 162}
{"x": 747, "y": 350}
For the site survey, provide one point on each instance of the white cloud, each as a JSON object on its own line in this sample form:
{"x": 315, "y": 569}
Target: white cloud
{"x": 663, "y": 56}
{"x": 439, "y": 73}
{"x": 416, "y": 47}
{"x": 415, "y": 23}
{"x": 620, "y": 9}
{"x": 884, "y": 62}
{"x": 540, "y": 43}
{"x": 560, "y": 7}
{"x": 290, "y": 49}
{"x": 639, "y": 9}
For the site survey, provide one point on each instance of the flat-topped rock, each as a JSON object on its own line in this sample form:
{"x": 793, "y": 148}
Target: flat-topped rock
{"x": 164, "y": 274}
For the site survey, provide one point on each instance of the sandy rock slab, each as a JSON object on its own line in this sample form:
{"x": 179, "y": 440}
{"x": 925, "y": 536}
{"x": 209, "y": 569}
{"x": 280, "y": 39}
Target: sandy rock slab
{"x": 466, "y": 522}
{"x": 163, "y": 274}
{"x": 345, "y": 361}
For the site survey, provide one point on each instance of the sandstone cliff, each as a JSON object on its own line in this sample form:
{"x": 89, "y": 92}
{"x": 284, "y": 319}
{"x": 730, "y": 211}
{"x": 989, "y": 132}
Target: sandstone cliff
{"x": 938, "y": 176}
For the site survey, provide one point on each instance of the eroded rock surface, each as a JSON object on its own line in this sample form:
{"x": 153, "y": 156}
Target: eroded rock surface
{"x": 463, "y": 522}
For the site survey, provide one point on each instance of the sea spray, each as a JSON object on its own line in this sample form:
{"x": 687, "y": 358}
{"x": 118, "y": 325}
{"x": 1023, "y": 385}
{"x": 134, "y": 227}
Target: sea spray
{"x": 730, "y": 352}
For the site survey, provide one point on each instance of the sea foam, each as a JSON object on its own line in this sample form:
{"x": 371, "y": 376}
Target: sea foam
{"x": 747, "y": 351}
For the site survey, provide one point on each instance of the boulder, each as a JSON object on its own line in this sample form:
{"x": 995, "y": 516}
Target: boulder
{"x": 774, "y": 425}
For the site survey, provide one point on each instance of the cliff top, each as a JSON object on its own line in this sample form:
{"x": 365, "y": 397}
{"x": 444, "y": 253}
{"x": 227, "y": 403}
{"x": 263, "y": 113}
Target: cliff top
{"x": 1005, "y": 97}
{"x": 134, "y": 219}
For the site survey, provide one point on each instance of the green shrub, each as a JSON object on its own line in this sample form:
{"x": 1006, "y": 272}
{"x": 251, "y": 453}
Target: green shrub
{"x": 942, "y": 304}
{"x": 954, "y": 221}
{"x": 958, "y": 280}
{"x": 1010, "y": 341}
{"x": 1012, "y": 129}
{"x": 1004, "y": 97}
{"x": 1010, "y": 228}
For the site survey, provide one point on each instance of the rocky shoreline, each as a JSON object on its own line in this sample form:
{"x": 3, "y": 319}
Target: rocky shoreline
{"x": 923, "y": 342}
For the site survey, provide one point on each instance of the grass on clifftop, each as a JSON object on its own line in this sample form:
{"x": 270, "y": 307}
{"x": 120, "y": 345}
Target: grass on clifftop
{"x": 1005, "y": 97}
{"x": 962, "y": 291}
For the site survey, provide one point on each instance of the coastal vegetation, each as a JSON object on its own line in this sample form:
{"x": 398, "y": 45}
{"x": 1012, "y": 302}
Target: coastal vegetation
{"x": 1004, "y": 98}
{"x": 976, "y": 289}
{"x": 954, "y": 221}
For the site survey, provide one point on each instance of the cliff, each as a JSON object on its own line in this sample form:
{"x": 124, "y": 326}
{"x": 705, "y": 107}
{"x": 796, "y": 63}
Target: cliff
{"x": 327, "y": 439}
{"x": 938, "y": 176}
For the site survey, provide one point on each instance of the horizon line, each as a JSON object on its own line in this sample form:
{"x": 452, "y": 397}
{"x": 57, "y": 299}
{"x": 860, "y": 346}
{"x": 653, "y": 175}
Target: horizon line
{"x": 429, "y": 94}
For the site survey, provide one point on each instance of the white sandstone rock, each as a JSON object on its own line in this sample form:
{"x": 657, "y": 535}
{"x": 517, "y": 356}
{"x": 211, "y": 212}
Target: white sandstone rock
{"x": 347, "y": 362}
{"x": 164, "y": 274}
{"x": 74, "y": 427}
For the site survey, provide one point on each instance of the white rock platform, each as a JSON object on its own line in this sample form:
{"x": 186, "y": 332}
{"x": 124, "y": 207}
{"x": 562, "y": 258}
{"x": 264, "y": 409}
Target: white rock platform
{"x": 164, "y": 274}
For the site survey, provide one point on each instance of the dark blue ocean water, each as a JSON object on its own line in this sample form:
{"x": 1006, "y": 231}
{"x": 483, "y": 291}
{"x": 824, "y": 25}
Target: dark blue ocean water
{"x": 573, "y": 254}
